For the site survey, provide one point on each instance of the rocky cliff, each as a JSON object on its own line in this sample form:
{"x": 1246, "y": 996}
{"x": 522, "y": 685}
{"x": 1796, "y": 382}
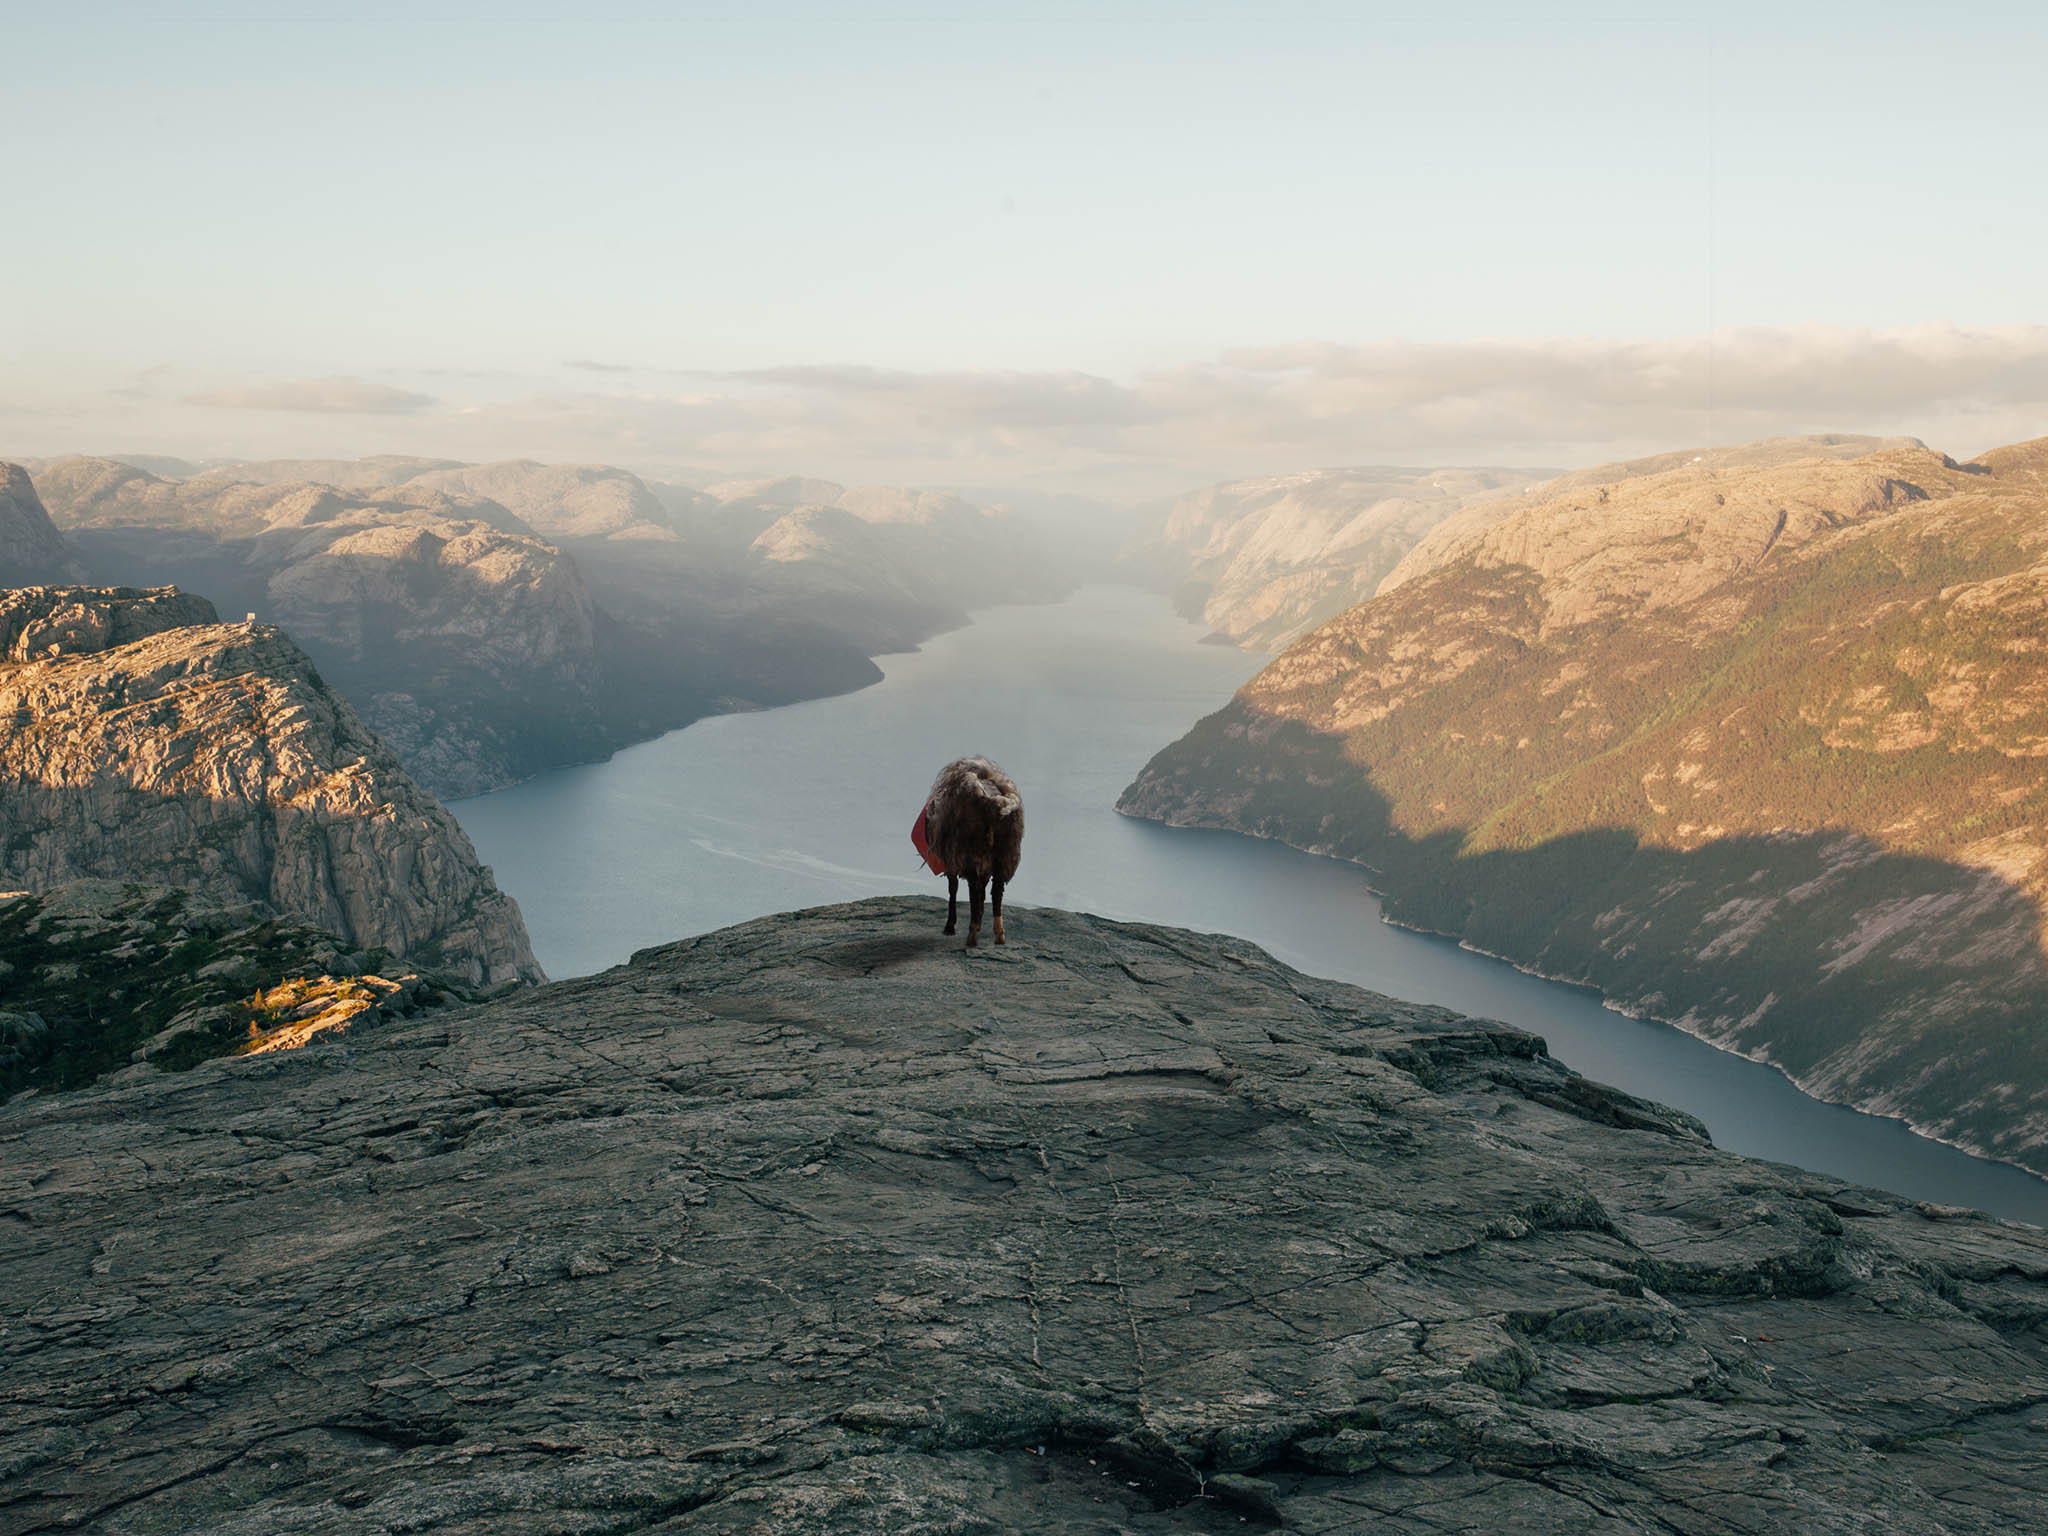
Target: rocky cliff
{"x": 31, "y": 549}
{"x": 494, "y": 620}
{"x": 1263, "y": 561}
{"x": 1754, "y": 749}
{"x": 824, "y": 1224}
{"x": 1259, "y": 561}
{"x": 468, "y": 643}
{"x": 147, "y": 743}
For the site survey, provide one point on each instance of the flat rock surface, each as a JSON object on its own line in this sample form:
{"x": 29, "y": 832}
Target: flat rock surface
{"x": 824, "y": 1224}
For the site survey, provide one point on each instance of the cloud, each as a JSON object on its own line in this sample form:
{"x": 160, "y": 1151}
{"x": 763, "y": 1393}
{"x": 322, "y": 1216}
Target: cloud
{"x": 332, "y": 396}
{"x": 1262, "y": 410}
{"x": 1558, "y": 402}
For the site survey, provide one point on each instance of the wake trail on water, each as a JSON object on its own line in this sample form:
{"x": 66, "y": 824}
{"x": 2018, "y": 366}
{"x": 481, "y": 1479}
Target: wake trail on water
{"x": 792, "y": 861}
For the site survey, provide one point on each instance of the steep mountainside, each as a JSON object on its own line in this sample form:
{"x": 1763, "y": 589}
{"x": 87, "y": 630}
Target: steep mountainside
{"x": 31, "y": 549}
{"x": 1463, "y": 528}
{"x": 564, "y": 501}
{"x": 1754, "y": 750}
{"x": 825, "y": 1225}
{"x": 149, "y": 743}
{"x": 424, "y": 589}
{"x": 1262, "y": 560}
{"x": 469, "y": 644}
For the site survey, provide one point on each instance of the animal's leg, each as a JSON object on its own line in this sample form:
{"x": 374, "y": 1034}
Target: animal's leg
{"x": 996, "y": 893}
{"x": 952, "y": 902}
{"x": 977, "y": 887}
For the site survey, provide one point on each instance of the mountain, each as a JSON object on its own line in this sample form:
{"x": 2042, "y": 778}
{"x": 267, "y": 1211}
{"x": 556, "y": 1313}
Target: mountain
{"x": 1259, "y": 561}
{"x": 797, "y": 563}
{"x": 150, "y": 743}
{"x": 494, "y": 620}
{"x": 1459, "y": 530}
{"x": 378, "y": 472}
{"x": 563, "y": 501}
{"x": 1755, "y": 750}
{"x": 469, "y": 643}
{"x": 823, "y": 1224}
{"x": 1263, "y": 561}
{"x": 31, "y": 549}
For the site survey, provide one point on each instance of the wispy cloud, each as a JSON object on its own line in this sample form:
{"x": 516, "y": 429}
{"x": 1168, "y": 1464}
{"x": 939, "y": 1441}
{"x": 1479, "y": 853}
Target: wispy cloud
{"x": 332, "y": 396}
{"x": 1253, "y": 410}
{"x": 1264, "y": 409}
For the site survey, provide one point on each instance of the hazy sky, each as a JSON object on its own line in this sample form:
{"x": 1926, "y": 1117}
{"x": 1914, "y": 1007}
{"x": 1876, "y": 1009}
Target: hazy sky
{"x": 1114, "y": 247}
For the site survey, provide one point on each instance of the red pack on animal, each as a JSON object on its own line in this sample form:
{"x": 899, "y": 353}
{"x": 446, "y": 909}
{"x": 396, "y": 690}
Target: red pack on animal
{"x": 972, "y": 828}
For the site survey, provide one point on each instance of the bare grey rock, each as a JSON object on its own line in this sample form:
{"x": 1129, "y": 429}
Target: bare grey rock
{"x": 821, "y": 1224}
{"x": 214, "y": 756}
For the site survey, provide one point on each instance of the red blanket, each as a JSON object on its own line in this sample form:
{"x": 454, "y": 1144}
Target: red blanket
{"x": 924, "y": 849}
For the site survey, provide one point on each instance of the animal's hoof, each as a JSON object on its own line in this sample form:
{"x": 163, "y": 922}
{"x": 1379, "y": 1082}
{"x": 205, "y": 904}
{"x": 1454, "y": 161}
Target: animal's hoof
{"x": 972, "y": 943}
{"x": 951, "y": 930}
{"x": 1001, "y": 940}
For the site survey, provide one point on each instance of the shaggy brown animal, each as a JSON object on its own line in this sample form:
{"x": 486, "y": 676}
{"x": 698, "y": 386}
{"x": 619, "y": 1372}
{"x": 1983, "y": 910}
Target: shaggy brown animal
{"x": 974, "y": 825}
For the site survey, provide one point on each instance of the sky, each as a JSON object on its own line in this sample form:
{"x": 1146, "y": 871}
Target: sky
{"x": 1117, "y": 249}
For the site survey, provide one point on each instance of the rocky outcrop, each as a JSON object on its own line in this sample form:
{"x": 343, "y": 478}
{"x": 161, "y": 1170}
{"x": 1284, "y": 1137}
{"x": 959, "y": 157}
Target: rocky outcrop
{"x": 468, "y": 643}
{"x": 214, "y": 756}
{"x": 494, "y": 620}
{"x": 1755, "y": 750}
{"x": 41, "y": 622}
{"x": 825, "y": 1225}
{"x": 1259, "y": 561}
{"x": 1469, "y": 526}
{"x": 565, "y": 501}
{"x": 31, "y": 550}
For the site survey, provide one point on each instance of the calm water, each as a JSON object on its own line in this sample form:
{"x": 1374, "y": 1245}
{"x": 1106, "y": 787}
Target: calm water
{"x": 748, "y": 814}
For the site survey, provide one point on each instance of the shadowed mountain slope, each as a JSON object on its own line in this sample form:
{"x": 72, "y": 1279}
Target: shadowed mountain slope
{"x": 824, "y": 1225}
{"x": 31, "y": 550}
{"x": 1756, "y": 750}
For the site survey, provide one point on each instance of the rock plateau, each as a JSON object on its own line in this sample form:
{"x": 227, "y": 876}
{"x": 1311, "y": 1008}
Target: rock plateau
{"x": 823, "y": 1224}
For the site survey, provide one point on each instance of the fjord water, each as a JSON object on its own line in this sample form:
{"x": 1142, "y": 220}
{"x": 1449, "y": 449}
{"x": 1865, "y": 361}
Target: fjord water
{"x": 742, "y": 815}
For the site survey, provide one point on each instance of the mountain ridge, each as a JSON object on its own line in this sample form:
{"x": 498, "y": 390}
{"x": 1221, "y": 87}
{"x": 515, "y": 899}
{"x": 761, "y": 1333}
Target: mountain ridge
{"x": 1748, "y": 748}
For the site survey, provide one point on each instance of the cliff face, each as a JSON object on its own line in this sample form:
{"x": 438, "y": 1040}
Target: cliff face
{"x": 823, "y": 1224}
{"x": 147, "y": 743}
{"x": 1262, "y": 560}
{"x": 469, "y": 644}
{"x": 31, "y": 550}
{"x": 494, "y": 620}
{"x": 1755, "y": 750}
{"x": 1469, "y": 525}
